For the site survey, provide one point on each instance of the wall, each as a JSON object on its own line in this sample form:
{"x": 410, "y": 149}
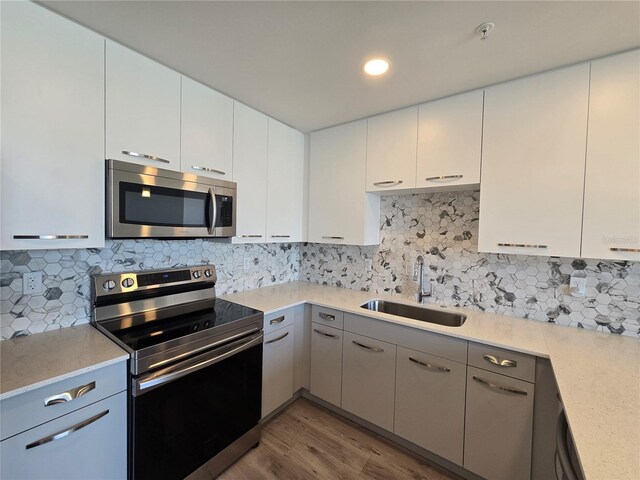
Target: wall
{"x": 444, "y": 228}
{"x": 66, "y": 278}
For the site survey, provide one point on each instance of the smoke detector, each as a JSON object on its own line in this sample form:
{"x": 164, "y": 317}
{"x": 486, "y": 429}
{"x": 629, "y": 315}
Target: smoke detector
{"x": 484, "y": 30}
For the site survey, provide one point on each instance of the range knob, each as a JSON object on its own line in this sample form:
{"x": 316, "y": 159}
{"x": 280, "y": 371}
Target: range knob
{"x": 195, "y": 327}
{"x": 207, "y": 272}
{"x": 109, "y": 284}
{"x": 127, "y": 282}
{"x": 197, "y": 274}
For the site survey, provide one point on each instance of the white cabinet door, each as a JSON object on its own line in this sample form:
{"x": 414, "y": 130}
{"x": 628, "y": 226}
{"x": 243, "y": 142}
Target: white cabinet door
{"x": 533, "y": 160}
{"x": 369, "y": 379}
{"x": 326, "y": 363}
{"x": 391, "y": 150}
{"x": 339, "y": 209}
{"x": 52, "y": 131}
{"x": 450, "y": 142}
{"x": 250, "y": 140}
{"x": 285, "y": 180}
{"x": 206, "y": 132}
{"x": 143, "y": 109}
{"x": 430, "y": 399}
{"x": 277, "y": 369}
{"x": 612, "y": 188}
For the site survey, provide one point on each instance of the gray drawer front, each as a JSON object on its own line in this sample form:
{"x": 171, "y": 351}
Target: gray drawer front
{"x": 25, "y": 411}
{"x": 279, "y": 319}
{"x": 504, "y": 362}
{"x": 327, "y": 316}
{"x": 413, "y": 338}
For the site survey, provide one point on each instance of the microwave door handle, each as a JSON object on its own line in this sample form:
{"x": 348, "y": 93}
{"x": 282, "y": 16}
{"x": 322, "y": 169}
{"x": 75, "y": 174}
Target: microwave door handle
{"x": 211, "y": 212}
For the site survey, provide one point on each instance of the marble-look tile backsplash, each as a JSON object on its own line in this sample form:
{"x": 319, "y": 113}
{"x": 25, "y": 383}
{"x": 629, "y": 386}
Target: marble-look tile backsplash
{"x": 66, "y": 275}
{"x": 443, "y": 227}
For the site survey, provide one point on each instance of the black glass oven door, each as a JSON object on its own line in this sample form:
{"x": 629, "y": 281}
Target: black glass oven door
{"x": 181, "y": 420}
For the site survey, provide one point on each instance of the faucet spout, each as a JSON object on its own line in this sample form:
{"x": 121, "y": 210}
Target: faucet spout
{"x": 422, "y": 291}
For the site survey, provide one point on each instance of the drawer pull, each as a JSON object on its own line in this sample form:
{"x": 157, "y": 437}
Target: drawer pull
{"x": 276, "y": 320}
{"x": 325, "y": 334}
{"x": 144, "y": 155}
{"x": 69, "y": 394}
{"x": 280, "y": 236}
{"x": 50, "y": 237}
{"x": 368, "y": 347}
{"x": 429, "y": 366}
{"x": 444, "y": 177}
{"x": 207, "y": 169}
{"x": 328, "y": 237}
{"x": 624, "y": 249}
{"x": 387, "y": 183}
{"x": 250, "y": 236}
{"x": 501, "y": 362}
{"x": 327, "y": 316}
{"x": 69, "y": 431}
{"x": 277, "y": 339}
{"x": 521, "y": 245}
{"x": 499, "y": 387}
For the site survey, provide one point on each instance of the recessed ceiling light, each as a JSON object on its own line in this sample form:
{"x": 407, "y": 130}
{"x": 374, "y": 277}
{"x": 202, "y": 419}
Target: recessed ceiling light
{"x": 376, "y": 66}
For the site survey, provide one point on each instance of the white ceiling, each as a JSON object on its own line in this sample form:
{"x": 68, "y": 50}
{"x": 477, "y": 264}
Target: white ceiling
{"x": 300, "y": 62}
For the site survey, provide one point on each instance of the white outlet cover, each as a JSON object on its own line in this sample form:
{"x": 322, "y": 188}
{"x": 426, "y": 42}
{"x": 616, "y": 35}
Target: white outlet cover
{"x": 578, "y": 285}
{"x": 247, "y": 263}
{"x": 368, "y": 264}
{"x": 32, "y": 283}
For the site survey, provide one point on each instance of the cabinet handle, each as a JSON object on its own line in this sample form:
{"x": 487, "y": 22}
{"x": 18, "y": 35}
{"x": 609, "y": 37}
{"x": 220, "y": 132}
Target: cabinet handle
{"x": 325, "y": 334}
{"x": 207, "y": 169}
{"x": 69, "y": 394}
{"x": 50, "y": 237}
{"x": 327, "y": 316}
{"x": 444, "y": 177}
{"x": 276, "y": 320}
{"x": 387, "y": 183}
{"x": 430, "y": 366}
{"x": 521, "y": 245}
{"x": 280, "y": 236}
{"x": 624, "y": 249}
{"x": 501, "y": 362}
{"x": 499, "y": 387}
{"x": 144, "y": 155}
{"x": 69, "y": 431}
{"x": 276, "y": 339}
{"x": 368, "y": 347}
{"x": 333, "y": 238}
{"x": 250, "y": 236}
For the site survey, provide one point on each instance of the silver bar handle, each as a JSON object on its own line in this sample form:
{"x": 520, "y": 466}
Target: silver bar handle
{"x": 562, "y": 449}
{"x": 50, "y": 237}
{"x": 214, "y": 207}
{"x": 387, "y": 183}
{"x": 499, "y": 387}
{"x": 277, "y": 320}
{"x": 368, "y": 347}
{"x": 327, "y": 316}
{"x": 624, "y": 249}
{"x": 277, "y": 339}
{"x": 430, "y": 366}
{"x": 69, "y": 394}
{"x": 520, "y": 245}
{"x": 144, "y": 155}
{"x": 207, "y": 169}
{"x": 324, "y": 334}
{"x": 69, "y": 431}
{"x": 250, "y": 236}
{"x": 444, "y": 177}
{"x": 280, "y": 236}
{"x": 329, "y": 237}
{"x": 501, "y": 362}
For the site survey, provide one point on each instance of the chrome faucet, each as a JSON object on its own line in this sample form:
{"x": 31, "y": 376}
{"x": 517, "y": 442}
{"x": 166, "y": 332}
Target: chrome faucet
{"x": 422, "y": 291}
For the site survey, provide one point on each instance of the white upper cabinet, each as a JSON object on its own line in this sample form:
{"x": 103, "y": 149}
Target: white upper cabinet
{"x": 206, "y": 132}
{"x": 250, "y": 141}
{"x": 450, "y": 142}
{"x": 285, "y": 180}
{"x": 52, "y": 131}
{"x": 612, "y": 187}
{"x": 391, "y": 150}
{"x": 143, "y": 109}
{"x": 535, "y": 133}
{"x": 339, "y": 209}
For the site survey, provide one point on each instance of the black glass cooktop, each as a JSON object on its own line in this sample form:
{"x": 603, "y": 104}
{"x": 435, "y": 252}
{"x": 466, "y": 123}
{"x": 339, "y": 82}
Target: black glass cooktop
{"x": 156, "y": 332}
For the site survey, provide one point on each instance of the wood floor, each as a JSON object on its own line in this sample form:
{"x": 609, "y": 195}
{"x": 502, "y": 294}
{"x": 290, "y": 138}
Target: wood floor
{"x": 307, "y": 441}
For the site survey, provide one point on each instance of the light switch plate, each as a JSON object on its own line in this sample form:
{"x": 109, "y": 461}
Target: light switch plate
{"x": 32, "y": 283}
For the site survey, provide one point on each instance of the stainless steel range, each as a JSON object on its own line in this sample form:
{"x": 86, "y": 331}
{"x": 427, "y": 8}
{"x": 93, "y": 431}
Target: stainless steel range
{"x": 195, "y": 369}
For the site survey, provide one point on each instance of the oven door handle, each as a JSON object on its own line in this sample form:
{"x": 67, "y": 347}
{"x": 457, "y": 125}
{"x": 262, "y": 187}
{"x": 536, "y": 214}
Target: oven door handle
{"x": 211, "y": 212}
{"x": 166, "y": 375}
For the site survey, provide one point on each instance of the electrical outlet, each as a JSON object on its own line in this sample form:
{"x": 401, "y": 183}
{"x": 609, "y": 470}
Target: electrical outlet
{"x": 578, "y": 284}
{"x": 32, "y": 283}
{"x": 247, "y": 263}
{"x": 368, "y": 264}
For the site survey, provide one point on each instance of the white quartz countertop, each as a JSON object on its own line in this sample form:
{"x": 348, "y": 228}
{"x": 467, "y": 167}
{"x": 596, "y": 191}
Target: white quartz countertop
{"x": 33, "y": 361}
{"x": 598, "y": 374}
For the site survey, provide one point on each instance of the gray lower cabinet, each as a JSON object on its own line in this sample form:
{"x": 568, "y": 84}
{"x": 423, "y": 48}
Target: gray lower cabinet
{"x": 326, "y": 363}
{"x": 277, "y": 368}
{"x": 430, "y": 402}
{"x": 368, "y": 379}
{"x": 498, "y": 426}
{"x": 88, "y": 443}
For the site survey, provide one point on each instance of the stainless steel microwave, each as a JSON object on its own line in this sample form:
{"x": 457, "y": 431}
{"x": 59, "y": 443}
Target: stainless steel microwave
{"x": 149, "y": 202}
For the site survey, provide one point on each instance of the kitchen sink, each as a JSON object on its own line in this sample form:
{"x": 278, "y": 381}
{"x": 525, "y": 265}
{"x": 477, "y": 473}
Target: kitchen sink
{"x": 421, "y": 314}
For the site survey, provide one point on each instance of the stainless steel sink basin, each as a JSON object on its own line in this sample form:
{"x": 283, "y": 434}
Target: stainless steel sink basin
{"x": 421, "y": 314}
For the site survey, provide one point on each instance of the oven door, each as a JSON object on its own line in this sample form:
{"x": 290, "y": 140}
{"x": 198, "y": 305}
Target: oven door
{"x": 184, "y": 415}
